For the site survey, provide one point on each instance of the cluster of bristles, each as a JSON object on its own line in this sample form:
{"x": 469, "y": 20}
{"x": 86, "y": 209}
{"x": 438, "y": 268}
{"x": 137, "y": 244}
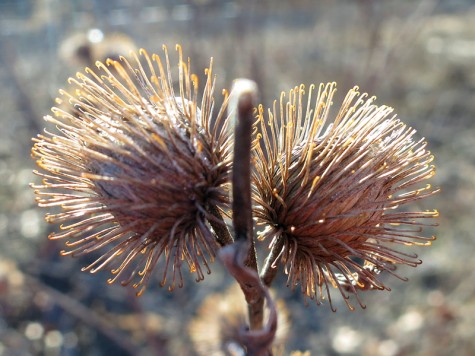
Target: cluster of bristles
{"x": 140, "y": 174}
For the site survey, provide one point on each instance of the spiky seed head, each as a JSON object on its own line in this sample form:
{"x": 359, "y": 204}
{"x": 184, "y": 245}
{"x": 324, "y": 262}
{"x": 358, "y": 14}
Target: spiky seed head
{"x": 337, "y": 199}
{"x": 133, "y": 169}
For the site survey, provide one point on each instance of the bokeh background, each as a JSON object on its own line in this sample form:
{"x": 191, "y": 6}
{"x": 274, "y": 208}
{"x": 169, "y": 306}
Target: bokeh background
{"x": 417, "y": 56}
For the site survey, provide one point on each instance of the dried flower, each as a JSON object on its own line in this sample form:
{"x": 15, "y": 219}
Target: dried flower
{"x": 135, "y": 169}
{"x": 333, "y": 202}
{"x": 83, "y": 49}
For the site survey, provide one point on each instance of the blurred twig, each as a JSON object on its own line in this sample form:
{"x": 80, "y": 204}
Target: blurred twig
{"x": 86, "y": 315}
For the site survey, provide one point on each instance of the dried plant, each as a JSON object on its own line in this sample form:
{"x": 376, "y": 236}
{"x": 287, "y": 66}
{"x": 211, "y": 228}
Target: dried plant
{"x": 331, "y": 200}
{"x": 136, "y": 170}
{"x": 143, "y": 177}
{"x": 84, "y": 49}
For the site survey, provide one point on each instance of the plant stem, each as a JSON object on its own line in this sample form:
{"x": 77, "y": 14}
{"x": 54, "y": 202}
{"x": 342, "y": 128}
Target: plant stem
{"x": 240, "y": 258}
{"x": 245, "y": 101}
{"x": 269, "y": 271}
{"x": 241, "y": 175}
{"x": 258, "y": 342}
{"x": 223, "y": 236}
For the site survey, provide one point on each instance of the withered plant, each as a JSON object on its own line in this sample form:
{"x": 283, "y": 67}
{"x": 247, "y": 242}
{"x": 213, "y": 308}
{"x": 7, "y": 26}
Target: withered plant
{"x": 149, "y": 172}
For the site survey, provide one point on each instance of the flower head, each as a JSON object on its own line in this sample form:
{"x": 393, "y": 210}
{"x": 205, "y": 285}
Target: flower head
{"x": 334, "y": 201}
{"x": 134, "y": 169}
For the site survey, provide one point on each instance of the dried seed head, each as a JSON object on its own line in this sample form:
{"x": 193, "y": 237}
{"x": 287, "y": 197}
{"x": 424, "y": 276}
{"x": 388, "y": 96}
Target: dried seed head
{"x": 334, "y": 201}
{"x": 134, "y": 169}
{"x": 84, "y": 48}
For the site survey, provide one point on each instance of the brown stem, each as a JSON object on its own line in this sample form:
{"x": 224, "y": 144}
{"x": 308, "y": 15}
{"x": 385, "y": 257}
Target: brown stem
{"x": 270, "y": 269}
{"x": 243, "y": 103}
{"x": 257, "y": 341}
{"x": 223, "y": 236}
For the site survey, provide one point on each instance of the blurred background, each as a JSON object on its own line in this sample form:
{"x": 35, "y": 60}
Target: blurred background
{"x": 417, "y": 56}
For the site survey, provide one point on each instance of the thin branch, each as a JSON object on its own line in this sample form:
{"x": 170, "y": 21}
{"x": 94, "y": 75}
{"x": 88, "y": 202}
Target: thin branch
{"x": 270, "y": 269}
{"x": 223, "y": 236}
{"x": 244, "y": 100}
{"x": 242, "y": 104}
{"x": 258, "y": 342}
{"x": 84, "y": 314}
{"x": 240, "y": 257}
